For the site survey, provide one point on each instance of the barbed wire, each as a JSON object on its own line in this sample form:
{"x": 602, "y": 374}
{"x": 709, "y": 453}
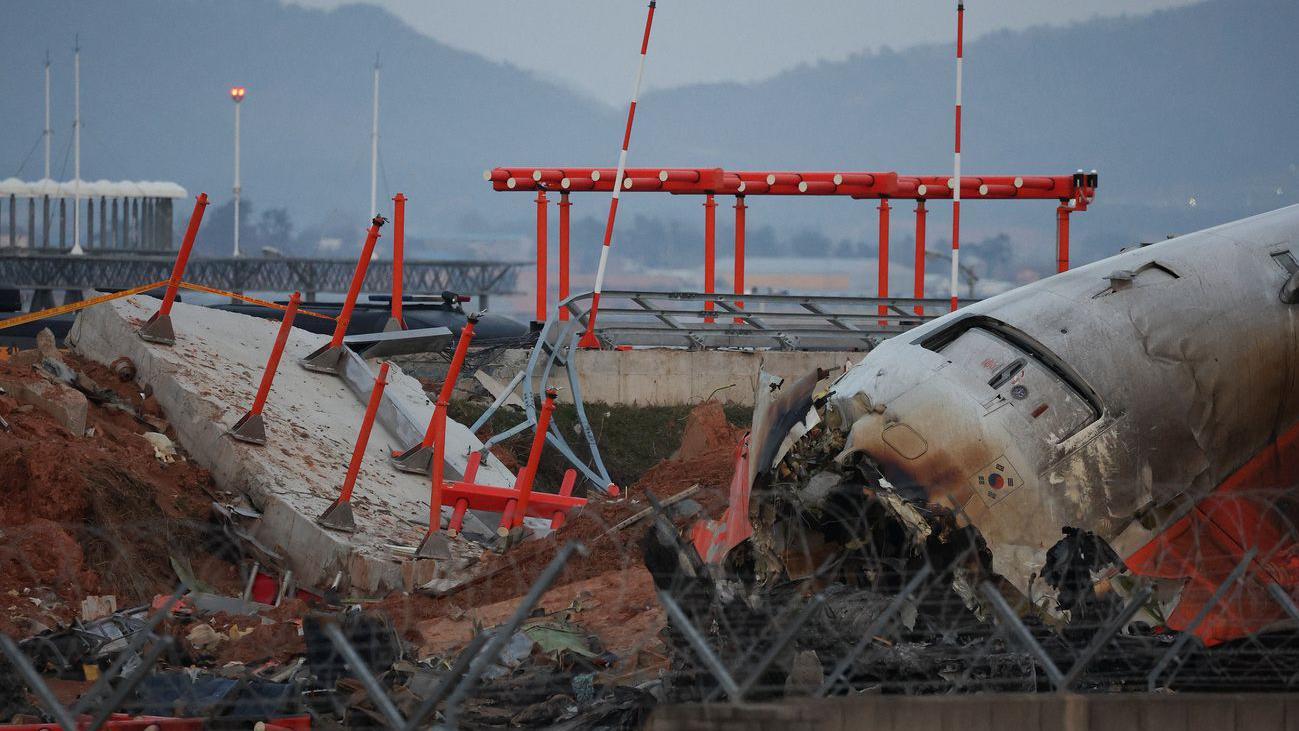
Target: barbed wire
{"x": 886, "y": 616}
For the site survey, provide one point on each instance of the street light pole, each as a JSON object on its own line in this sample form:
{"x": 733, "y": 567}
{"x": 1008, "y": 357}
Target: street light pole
{"x": 237, "y": 94}
{"x": 49, "y": 132}
{"x": 76, "y": 146}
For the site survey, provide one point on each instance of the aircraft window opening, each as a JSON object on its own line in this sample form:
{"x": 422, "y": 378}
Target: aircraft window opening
{"x": 1005, "y": 374}
{"x": 1154, "y": 267}
{"x": 1150, "y": 273}
{"x": 987, "y": 355}
{"x": 1286, "y": 261}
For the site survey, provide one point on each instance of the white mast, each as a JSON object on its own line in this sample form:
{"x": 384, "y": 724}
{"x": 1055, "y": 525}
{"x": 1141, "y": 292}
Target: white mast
{"x": 237, "y": 95}
{"x": 76, "y": 146}
{"x": 49, "y": 131}
{"x": 374, "y": 144}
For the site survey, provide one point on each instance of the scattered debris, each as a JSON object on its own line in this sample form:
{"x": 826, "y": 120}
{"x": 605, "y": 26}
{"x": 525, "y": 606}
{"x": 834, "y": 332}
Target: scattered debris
{"x": 163, "y": 448}
{"x": 97, "y": 607}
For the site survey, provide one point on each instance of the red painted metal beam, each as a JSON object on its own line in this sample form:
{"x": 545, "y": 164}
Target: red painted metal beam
{"x": 563, "y": 252}
{"x": 710, "y": 251}
{"x": 542, "y": 247}
{"x": 868, "y": 185}
{"x": 739, "y": 252}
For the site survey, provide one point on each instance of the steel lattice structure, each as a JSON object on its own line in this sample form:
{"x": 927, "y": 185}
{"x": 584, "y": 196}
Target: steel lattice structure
{"x": 249, "y": 274}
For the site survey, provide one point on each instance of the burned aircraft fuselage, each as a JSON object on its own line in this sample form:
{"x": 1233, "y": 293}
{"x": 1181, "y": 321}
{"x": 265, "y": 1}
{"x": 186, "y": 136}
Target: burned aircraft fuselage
{"x": 1150, "y": 398}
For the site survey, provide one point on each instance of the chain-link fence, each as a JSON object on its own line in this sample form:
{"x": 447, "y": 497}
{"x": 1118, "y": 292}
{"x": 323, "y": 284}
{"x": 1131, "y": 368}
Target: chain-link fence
{"x": 617, "y": 613}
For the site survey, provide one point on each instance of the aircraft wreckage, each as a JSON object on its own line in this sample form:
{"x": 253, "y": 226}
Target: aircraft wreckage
{"x": 1140, "y": 412}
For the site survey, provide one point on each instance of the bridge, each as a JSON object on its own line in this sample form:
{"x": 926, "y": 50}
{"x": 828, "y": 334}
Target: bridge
{"x": 46, "y": 271}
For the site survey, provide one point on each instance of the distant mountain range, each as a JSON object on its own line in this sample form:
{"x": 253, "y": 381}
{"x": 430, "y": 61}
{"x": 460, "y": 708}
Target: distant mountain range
{"x": 1199, "y": 102}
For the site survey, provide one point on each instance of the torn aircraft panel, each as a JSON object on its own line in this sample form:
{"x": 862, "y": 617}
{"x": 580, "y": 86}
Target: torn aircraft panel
{"x": 1150, "y": 400}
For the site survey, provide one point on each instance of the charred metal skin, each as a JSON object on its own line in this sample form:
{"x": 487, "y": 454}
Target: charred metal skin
{"x": 1144, "y": 398}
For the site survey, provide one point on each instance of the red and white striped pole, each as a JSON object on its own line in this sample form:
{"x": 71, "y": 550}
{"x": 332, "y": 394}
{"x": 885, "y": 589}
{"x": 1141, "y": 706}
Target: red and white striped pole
{"x": 589, "y": 339}
{"x": 956, "y": 160}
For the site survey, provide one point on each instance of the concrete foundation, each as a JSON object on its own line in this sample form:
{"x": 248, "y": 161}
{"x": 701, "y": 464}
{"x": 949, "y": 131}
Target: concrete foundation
{"x": 999, "y": 712}
{"x": 208, "y": 379}
{"x": 673, "y": 377}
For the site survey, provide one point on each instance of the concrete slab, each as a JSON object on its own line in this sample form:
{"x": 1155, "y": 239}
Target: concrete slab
{"x": 64, "y": 404}
{"x": 208, "y": 380}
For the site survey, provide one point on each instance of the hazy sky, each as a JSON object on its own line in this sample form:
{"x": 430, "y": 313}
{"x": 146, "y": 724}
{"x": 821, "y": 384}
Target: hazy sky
{"x": 591, "y": 45}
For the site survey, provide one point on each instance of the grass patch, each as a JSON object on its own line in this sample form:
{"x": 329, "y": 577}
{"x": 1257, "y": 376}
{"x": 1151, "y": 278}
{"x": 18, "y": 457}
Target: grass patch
{"x": 631, "y": 439}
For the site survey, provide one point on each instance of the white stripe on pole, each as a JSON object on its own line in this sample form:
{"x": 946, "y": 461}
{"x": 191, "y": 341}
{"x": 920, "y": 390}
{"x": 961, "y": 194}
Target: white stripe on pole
{"x": 956, "y": 157}
{"x": 588, "y": 338}
{"x": 617, "y": 185}
{"x": 604, "y": 258}
{"x": 374, "y": 145}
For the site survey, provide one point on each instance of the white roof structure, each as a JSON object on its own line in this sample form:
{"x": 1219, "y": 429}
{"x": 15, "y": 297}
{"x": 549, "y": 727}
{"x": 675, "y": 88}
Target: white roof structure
{"x": 91, "y": 189}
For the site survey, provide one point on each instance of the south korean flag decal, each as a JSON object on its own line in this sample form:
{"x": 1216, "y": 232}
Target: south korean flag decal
{"x": 997, "y": 480}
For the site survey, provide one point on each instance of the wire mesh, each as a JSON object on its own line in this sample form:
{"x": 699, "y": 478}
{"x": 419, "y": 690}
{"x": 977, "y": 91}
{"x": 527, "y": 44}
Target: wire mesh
{"x": 873, "y": 610}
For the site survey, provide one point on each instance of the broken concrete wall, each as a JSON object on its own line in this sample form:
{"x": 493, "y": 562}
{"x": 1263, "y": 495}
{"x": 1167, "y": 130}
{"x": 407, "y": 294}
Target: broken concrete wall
{"x": 208, "y": 380}
{"x": 64, "y": 404}
{"x": 674, "y": 377}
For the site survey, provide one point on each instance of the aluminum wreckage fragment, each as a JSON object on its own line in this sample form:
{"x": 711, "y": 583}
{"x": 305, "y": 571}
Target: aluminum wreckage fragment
{"x": 1139, "y": 415}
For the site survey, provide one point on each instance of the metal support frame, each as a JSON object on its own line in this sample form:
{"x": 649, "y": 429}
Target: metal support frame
{"x": 919, "y": 265}
{"x": 123, "y": 269}
{"x": 738, "y": 280}
{"x": 557, "y": 345}
{"x": 564, "y": 215}
{"x": 784, "y": 322}
{"x": 710, "y": 253}
{"x": 542, "y": 265}
{"x": 1062, "y": 237}
{"x": 882, "y": 260}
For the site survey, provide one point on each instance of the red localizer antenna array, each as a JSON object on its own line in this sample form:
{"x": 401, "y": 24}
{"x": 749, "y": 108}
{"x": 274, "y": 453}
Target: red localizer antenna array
{"x": 435, "y": 544}
{"x": 329, "y": 358}
{"x": 956, "y": 159}
{"x": 396, "y": 321}
{"x": 251, "y": 427}
{"x": 158, "y": 329}
{"x": 338, "y": 516}
{"x": 588, "y": 339}
{"x": 421, "y": 458}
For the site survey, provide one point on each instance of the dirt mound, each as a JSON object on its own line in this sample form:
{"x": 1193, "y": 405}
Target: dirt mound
{"x": 706, "y": 457}
{"x": 706, "y": 432}
{"x": 92, "y": 514}
{"x": 707, "y": 454}
{"x": 278, "y": 641}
